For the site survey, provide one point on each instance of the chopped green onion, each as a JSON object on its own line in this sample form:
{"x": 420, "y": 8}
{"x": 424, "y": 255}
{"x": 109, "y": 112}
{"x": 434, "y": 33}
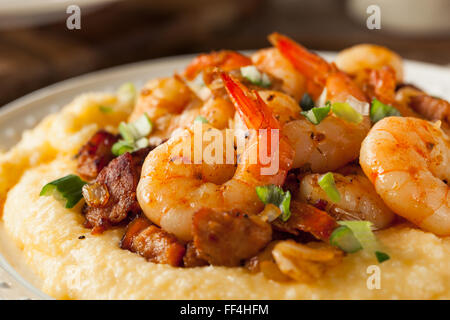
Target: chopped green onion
{"x": 201, "y": 119}
{"x": 326, "y": 182}
{"x": 343, "y": 238}
{"x": 127, "y": 132}
{"x": 134, "y": 135}
{"x": 345, "y": 111}
{"x": 66, "y": 189}
{"x": 198, "y": 81}
{"x": 142, "y": 143}
{"x": 322, "y": 100}
{"x": 256, "y": 77}
{"x": 127, "y": 92}
{"x": 307, "y": 102}
{"x": 362, "y": 231}
{"x": 275, "y": 195}
{"x": 122, "y": 147}
{"x": 105, "y": 109}
{"x": 317, "y": 114}
{"x": 143, "y": 126}
{"x": 361, "y": 107}
{"x": 379, "y": 110}
{"x": 381, "y": 256}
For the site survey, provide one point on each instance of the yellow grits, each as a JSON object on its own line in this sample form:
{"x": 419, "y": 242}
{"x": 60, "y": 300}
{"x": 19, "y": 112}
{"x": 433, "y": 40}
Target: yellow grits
{"x": 96, "y": 268}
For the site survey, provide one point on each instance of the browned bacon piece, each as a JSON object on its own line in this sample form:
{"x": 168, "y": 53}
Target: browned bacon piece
{"x": 120, "y": 177}
{"x": 305, "y": 217}
{"x": 133, "y": 229}
{"x": 431, "y": 108}
{"x": 95, "y": 154}
{"x": 225, "y": 239}
{"x": 158, "y": 246}
{"x": 192, "y": 258}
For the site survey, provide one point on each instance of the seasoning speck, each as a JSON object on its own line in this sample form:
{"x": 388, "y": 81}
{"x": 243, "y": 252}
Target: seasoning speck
{"x": 81, "y": 237}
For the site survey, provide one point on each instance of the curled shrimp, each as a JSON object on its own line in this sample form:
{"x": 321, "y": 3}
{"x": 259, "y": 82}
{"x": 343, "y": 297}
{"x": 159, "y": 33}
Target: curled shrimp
{"x": 407, "y": 160}
{"x": 318, "y": 72}
{"x": 334, "y": 142}
{"x": 271, "y": 61}
{"x": 359, "y": 200}
{"x": 171, "y": 105}
{"x": 378, "y": 70}
{"x": 356, "y": 59}
{"x": 171, "y": 191}
{"x": 226, "y": 60}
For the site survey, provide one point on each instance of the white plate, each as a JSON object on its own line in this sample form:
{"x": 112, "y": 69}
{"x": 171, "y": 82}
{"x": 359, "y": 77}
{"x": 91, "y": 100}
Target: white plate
{"x": 25, "y": 112}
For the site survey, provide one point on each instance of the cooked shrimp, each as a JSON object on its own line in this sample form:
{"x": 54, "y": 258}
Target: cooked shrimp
{"x": 324, "y": 147}
{"x": 164, "y": 100}
{"x": 171, "y": 191}
{"x": 226, "y": 60}
{"x": 407, "y": 160}
{"x": 272, "y": 62}
{"x": 319, "y": 73}
{"x": 163, "y": 96}
{"x": 334, "y": 142}
{"x": 424, "y": 106}
{"x": 380, "y": 84}
{"x": 359, "y": 200}
{"x": 171, "y": 105}
{"x": 356, "y": 59}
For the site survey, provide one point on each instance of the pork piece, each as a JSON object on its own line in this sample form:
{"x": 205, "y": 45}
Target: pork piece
{"x": 133, "y": 229}
{"x": 227, "y": 238}
{"x": 192, "y": 258}
{"x": 431, "y": 108}
{"x": 120, "y": 177}
{"x": 152, "y": 243}
{"x": 95, "y": 154}
{"x": 158, "y": 246}
{"x": 307, "y": 218}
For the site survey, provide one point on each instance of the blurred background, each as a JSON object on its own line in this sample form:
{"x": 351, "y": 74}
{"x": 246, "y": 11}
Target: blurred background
{"x": 37, "y": 49}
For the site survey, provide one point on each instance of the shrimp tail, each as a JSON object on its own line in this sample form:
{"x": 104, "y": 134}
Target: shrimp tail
{"x": 257, "y": 115}
{"x": 225, "y": 59}
{"x": 383, "y": 83}
{"x": 311, "y": 65}
{"x": 252, "y": 109}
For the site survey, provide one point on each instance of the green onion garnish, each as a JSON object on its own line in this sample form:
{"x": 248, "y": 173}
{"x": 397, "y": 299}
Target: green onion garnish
{"x": 127, "y": 92}
{"x": 381, "y": 256}
{"x": 276, "y": 196}
{"x": 127, "y": 132}
{"x": 142, "y": 127}
{"x": 256, "y": 77}
{"x": 133, "y": 135}
{"x": 105, "y": 109}
{"x": 307, "y": 102}
{"x": 345, "y": 111}
{"x": 142, "y": 143}
{"x": 326, "y": 182}
{"x": 317, "y": 114}
{"x": 66, "y": 189}
{"x": 121, "y": 147}
{"x": 362, "y": 234}
{"x": 201, "y": 119}
{"x": 343, "y": 238}
{"x": 379, "y": 110}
